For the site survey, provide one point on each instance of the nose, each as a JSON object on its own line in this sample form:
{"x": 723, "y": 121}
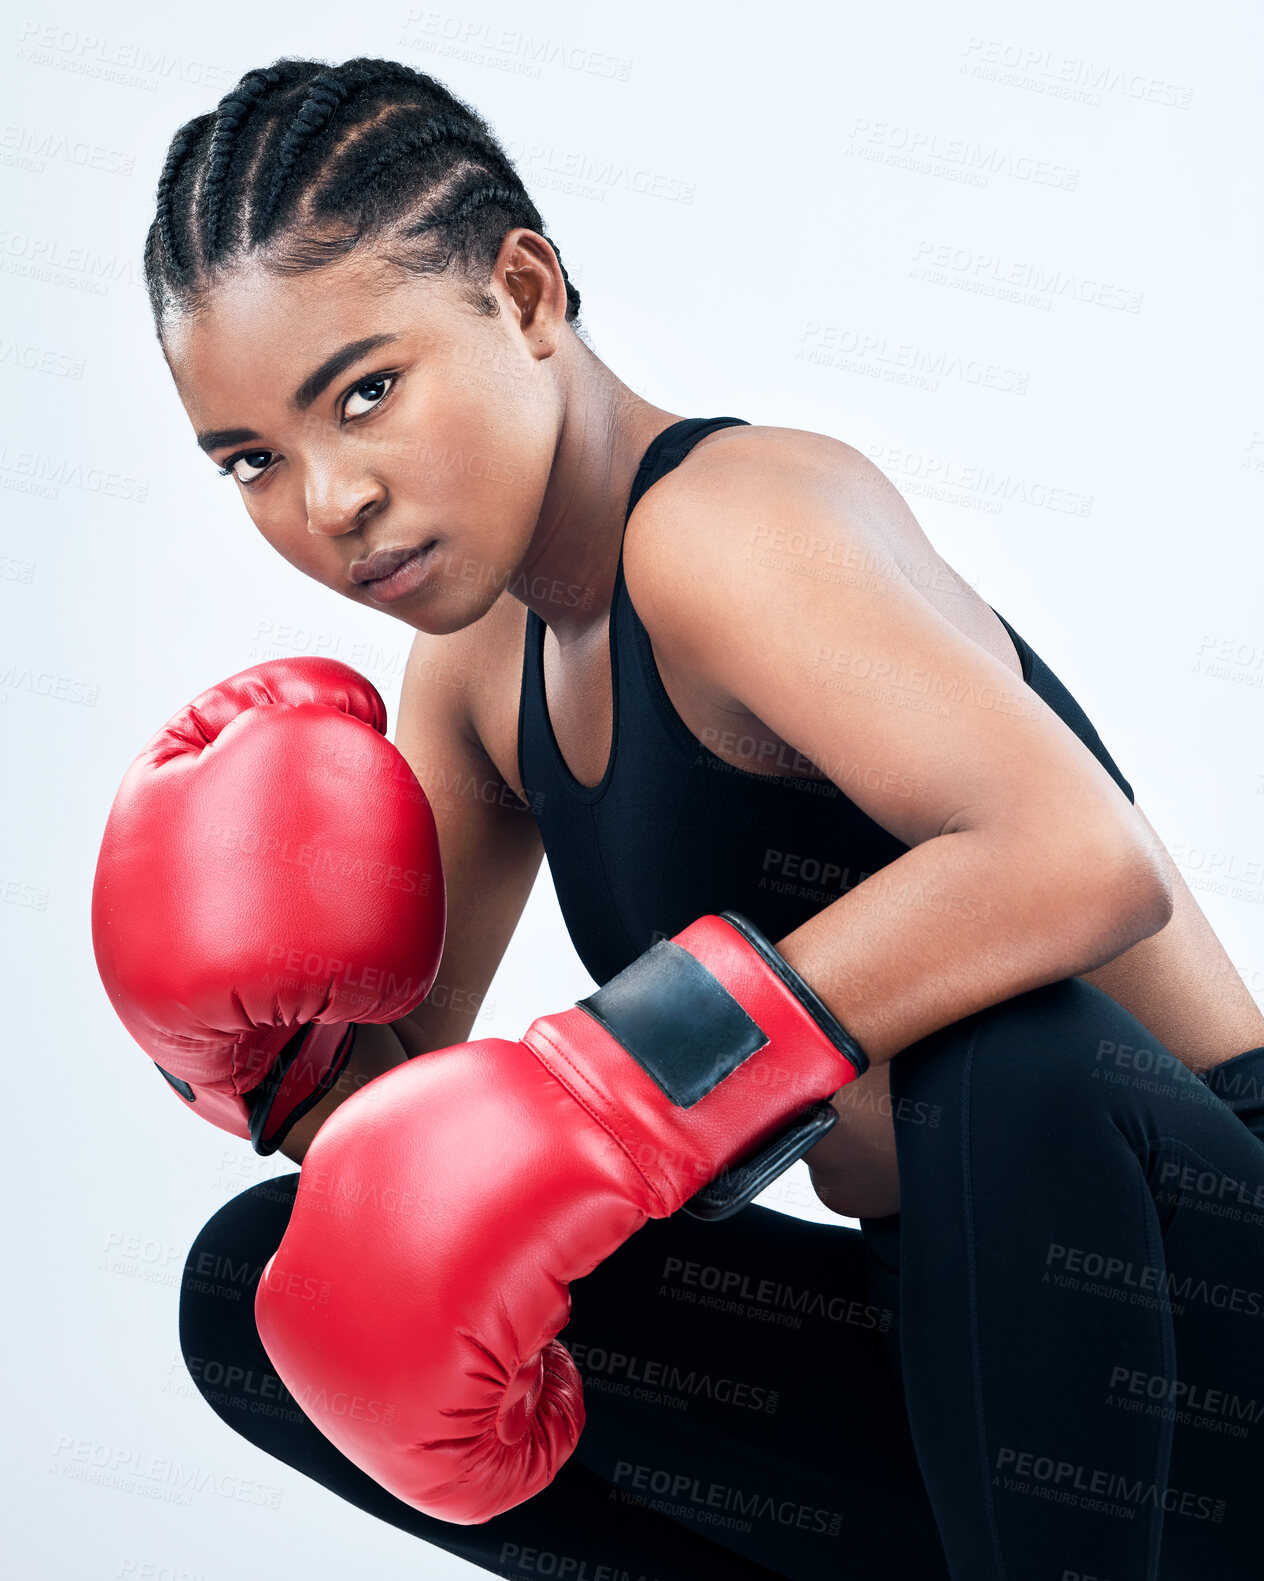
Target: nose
{"x": 338, "y": 501}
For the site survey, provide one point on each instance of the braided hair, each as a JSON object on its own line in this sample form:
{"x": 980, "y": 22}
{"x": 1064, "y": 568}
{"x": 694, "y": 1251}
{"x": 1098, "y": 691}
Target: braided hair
{"x": 301, "y": 161}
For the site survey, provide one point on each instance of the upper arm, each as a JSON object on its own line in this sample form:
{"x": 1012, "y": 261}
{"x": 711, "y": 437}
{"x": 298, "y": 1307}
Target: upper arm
{"x": 777, "y": 586}
{"x": 488, "y": 840}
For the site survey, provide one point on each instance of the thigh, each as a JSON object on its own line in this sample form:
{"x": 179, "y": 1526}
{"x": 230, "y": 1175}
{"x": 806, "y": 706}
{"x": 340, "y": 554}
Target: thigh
{"x": 1042, "y": 1247}
{"x": 1212, "y": 1186}
{"x": 737, "y": 1379}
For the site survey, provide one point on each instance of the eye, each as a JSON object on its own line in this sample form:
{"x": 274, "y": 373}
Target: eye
{"x": 368, "y": 394}
{"x": 248, "y": 465}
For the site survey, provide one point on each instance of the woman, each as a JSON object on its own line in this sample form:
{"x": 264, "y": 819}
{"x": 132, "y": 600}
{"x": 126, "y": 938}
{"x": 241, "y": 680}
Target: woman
{"x": 703, "y": 665}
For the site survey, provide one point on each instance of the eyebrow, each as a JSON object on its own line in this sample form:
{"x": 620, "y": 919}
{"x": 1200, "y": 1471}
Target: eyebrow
{"x": 332, "y": 366}
{"x": 312, "y": 386}
{"x": 215, "y": 438}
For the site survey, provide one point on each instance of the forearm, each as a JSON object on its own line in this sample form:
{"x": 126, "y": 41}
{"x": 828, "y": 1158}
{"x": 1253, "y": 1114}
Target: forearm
{"x": 964, "y": 921}
{"x": 445, "y": 1017}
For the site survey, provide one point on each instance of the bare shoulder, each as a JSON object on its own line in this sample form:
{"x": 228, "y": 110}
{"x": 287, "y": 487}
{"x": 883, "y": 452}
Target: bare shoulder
{"x": 780, "y": 459}
{"x": 768, "y": 519}
{"x": 746, "y": 492}
{"x": 466, "y": 682}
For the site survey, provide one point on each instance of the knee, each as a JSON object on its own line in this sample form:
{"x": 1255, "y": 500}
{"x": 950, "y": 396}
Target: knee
{"x": 1069, "y": 1049}
{"x": 220, "y": 1344}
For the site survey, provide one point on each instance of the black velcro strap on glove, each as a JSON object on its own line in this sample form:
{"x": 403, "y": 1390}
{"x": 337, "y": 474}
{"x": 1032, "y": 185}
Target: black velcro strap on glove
{"x": 687, "y": 1032}
{"x": 677, "y": 1021}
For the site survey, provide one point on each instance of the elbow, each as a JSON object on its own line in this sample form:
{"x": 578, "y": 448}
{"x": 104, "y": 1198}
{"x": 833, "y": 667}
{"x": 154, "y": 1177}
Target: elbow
{"x": 1160, "y": 896}
{"x": 1151, "y": 900}
{"x": 1094, "y": 892}
{"x": 1136, "y": 899}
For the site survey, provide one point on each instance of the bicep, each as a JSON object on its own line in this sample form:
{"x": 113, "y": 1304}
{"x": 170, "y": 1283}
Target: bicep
{"x": 488, "y": 841}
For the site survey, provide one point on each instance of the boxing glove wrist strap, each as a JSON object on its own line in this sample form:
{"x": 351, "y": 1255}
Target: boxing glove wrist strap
{"x": 682, "y": 1023}
{"x": 297, "y": 1079}
{"x": 735, "y": 1188}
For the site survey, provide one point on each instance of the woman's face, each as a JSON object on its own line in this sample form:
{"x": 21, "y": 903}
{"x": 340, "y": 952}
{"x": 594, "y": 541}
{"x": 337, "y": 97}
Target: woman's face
{"x": 386, "y": 438}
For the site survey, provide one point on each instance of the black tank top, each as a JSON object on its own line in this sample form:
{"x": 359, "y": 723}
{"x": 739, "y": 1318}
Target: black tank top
{"x": 671, "y": 831}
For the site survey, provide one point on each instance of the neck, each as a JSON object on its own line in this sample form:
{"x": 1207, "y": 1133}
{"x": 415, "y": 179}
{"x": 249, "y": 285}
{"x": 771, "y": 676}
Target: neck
{"x": 568, "y": 574}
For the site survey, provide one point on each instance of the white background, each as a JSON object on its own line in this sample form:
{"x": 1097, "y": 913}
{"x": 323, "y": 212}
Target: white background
{"x": 773, "y": 211}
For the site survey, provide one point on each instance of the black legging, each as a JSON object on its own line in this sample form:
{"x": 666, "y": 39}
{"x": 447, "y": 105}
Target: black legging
{"x": 1081, "y": 1292}
{"x": 1072, "y": 1294}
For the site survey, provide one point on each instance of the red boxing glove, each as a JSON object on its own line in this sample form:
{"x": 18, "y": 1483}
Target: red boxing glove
{"x": 444, "y": 1209}
{"x": 269, "y": 875}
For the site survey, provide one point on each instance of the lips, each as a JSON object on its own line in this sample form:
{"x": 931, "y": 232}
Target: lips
{"x": 384, "y": 562}
{"x": 400, "y": 572}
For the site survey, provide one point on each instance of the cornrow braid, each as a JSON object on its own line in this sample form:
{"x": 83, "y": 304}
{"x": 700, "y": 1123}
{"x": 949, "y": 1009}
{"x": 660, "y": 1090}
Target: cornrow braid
{"x": 234, "y": 108}
{"x": 362, "y": 168}
{"x": 325, "y": 96}
{"x": 469, "y": 197}
{"x": 302, "y": 161}
{"x": 163, "y": 231}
